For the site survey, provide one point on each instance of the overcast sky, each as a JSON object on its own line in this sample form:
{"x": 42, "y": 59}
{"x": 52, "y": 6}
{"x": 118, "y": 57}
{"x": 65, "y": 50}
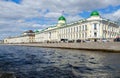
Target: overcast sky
{"x": 17, "y": 16}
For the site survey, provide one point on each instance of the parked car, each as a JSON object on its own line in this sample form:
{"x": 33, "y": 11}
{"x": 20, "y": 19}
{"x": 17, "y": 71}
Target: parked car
{"x": 105, "y": 40}
{"x": 64, "y": 40}
{"x": 117, "y": 39}
{"x": 71, "y": 41}
{"x": 78, "y": 41}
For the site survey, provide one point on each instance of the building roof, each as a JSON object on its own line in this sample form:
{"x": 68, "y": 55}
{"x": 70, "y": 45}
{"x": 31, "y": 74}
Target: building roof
{"x": 62, "y": 18}
{"x": 95, "y": 13}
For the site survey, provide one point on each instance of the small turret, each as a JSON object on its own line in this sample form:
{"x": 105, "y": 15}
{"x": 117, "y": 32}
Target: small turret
{"x": 61, "y": 21}
{"x": 94, "y": 13}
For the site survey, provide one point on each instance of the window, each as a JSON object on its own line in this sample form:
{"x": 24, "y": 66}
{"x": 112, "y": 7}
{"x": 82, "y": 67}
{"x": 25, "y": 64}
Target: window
{"x": 74, "y": 29}
{"x": 82, "y": 35}
{"x": 79, "y": 35}
{"x": 95, "y": 26}
{"x": 85, "y": 35}
{"x": 79, "y": 28}
{"x": 64, "y": 31}
{"x": 85, "y": 27}
{"x": 71, "y": 29}
{"x": 95, "y": 34}
{"x": 49, "y": 34}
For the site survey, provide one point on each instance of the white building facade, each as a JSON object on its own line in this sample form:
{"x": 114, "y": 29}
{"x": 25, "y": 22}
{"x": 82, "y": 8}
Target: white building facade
{"x": 26, "y": 37}
{"x": 93, "y": 28}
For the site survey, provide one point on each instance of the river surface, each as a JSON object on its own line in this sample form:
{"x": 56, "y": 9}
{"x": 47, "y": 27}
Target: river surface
{"x": 36, "y": 62}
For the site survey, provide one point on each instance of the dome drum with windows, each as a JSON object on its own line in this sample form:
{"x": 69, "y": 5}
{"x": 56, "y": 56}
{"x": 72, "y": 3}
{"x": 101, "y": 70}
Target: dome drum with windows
{"x": 61, "y": 21}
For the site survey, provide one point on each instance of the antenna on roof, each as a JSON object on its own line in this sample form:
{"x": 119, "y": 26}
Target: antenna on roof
{"x": 62, "y": 12}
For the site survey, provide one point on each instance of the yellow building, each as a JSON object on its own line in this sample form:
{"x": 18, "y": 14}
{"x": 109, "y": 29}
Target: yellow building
{"x": 94, "y": 28}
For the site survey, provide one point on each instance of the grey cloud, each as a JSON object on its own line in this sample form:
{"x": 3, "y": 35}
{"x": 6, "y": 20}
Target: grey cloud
{"x": 113, "y": 16}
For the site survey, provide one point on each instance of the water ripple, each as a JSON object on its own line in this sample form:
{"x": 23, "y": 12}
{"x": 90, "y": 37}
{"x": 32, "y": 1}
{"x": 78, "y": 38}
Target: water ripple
{"x": 33, "y": 62}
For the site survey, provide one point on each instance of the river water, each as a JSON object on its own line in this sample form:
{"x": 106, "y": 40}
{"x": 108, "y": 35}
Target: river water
{"x": 36, "y": 62}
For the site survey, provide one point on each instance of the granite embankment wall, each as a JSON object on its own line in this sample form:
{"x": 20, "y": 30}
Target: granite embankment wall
{"x": 94, "y": 46}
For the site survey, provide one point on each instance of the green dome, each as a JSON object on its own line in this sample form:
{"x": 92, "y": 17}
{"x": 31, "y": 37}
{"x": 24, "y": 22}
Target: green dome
{"x": 62, "y": 18}
{"x": 36, "y": 31}
{"x": 94, "y": 13}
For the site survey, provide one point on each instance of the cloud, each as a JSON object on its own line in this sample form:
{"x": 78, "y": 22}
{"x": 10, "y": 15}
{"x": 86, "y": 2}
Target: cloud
{"x": 53, "y": 15}
{"x": 73, "y": 18}
{"x": 15, "y": 17}
{"x": 113, "y": 16}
